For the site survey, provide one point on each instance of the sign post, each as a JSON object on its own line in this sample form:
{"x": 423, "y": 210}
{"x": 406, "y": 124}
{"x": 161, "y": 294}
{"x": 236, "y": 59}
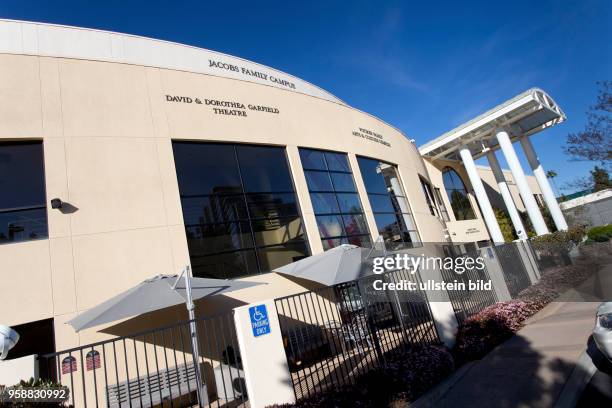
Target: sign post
{"x": 264, "y": 361}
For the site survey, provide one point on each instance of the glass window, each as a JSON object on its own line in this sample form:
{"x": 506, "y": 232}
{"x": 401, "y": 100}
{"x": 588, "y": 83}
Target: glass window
{"x": 441, "y": 205}
{"x": 226, "y": 265}
{"x": 382, "y": 203}
{"x": 334, "y": 197}
{"x": 349, "y": 203}
{"x": 211, "y": 238}
{"x": 23, "y": 209}
{"x": 278, "y": 231}
{"x": 337, "y": 162}
{"x": 457, "y": 195}
{"x": 318, "y": 181}
{"x": 203, "y": 168}
{"x": 373, "y": 179}
{"x": 330, "y": 225}
{"x": 272, "y": 205}
{"x": 238, "y": 201}
{"x": 324, "y": 203}
{"x": 429, "y": 198}
{"x": 312, "y": 159}
{"x": 264, "y": 169}
{"x": 276, "y": 256}
{"x": 213, "y": 209}
{"x": 389, "y": 204}
{"x": 343, "y": 181}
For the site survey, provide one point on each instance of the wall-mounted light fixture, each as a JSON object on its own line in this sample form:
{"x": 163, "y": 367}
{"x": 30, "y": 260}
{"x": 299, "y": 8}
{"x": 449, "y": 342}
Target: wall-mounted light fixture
{"x": 56, "y": 203}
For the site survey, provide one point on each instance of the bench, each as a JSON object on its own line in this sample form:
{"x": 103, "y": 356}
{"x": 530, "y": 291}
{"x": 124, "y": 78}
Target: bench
{"x": 149, "y": 390}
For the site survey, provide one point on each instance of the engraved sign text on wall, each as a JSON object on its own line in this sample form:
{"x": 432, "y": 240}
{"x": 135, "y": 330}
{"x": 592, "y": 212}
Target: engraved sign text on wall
{"x": 370, "y": 135}
{"x": 221, "y": 107}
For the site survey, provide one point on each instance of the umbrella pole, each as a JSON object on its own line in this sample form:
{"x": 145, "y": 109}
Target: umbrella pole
{"x": 193, "y": 333}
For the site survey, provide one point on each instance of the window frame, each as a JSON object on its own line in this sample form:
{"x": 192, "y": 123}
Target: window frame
{"x": 463, "y": 189}
{"x": 397, "y": 213}
{"x": 429, "y": 197}
{"x": 441, "y": 205}
{"x": 344, "y": 237}
{"x": 39, "y": 208}
{"x": 247, "y": 207}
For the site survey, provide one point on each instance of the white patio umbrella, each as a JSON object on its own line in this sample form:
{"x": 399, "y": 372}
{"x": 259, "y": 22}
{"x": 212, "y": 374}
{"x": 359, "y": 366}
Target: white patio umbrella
{"x": 157, "y": 293}
{"x": 341, "y": 264}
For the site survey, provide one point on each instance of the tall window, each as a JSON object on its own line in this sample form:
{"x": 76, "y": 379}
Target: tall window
{"x": 389, "y": 204}
{"x": 23, "y": 210}
{"x": 457, "y": 195}
{"x": 240, "y": 209}
{"x": 334, "y": 198}
{"x": 441, "y": 205}
{"x": 429, "y": 198}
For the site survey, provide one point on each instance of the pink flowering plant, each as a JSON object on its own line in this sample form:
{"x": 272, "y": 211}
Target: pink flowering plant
{"x": 482, "y": 332}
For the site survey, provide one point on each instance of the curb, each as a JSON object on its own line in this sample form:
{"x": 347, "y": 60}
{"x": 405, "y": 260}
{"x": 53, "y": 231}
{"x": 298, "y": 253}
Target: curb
{"x": 576, "y": 382}
{"x": 435, "y": 394}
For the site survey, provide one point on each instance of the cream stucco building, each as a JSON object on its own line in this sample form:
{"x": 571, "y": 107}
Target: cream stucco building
{"x": 161, "y": 155}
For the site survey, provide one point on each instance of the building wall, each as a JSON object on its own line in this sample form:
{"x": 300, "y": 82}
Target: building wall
{"x": 107, "y": 130}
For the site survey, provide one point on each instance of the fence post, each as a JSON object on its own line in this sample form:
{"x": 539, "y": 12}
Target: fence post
{"x": 532, "y": 271}
{"x": 442, "y": 311}
{"x": 532, "y": 258}
{"x": 264, "y": 361}
{"x": 496, "y": 274}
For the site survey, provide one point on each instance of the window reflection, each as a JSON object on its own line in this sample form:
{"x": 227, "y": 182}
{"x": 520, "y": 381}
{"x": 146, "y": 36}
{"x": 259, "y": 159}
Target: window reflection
{"x": 23, "y": 210}
{"x": 334, "y": 197}
{"x": 457, "y": 195}
{"x": 429, "y": 198}
{"x": 391, "y": 209}
{"x": 238, "y": 202}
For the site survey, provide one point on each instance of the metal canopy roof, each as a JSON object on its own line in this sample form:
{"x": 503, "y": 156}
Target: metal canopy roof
{"x": 525, "y": 114}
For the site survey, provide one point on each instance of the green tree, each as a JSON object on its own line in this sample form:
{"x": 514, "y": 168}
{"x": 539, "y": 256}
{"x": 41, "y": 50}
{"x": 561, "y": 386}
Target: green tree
{"x": 601, "y": 179}
{"x": 505, "y": 224}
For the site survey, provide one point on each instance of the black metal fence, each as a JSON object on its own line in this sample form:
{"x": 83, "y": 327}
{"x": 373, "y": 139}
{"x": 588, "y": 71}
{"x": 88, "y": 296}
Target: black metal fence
{"x": 153, "y": 368}
{"x": 513, "y": 267}
{"x": 469, "y": 302}
{"x": 334, "y": 334}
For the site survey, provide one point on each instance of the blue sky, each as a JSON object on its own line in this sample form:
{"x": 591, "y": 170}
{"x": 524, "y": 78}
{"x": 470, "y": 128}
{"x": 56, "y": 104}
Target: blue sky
{"x": 424, "y": 67}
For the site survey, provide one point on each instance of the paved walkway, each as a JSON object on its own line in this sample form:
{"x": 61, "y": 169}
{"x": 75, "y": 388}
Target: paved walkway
{"x": 530, "y": 369}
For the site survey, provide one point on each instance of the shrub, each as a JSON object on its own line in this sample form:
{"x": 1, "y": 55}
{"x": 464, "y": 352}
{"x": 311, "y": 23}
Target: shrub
{"x": 420, "y": 369}
{"x": 483, "y": 331}
{"x": 601, "y": 233}
{"x": 40, "y": 383}
{"x": 560, "y": 240}
{"x": 403, "y": 378}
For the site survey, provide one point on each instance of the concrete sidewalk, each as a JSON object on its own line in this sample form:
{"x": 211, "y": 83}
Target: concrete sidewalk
{"x": 530, "y": 369}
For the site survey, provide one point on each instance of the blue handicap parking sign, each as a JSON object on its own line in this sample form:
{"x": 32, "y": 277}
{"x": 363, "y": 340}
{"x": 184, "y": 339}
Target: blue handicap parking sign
{"x": 259, "y": 320}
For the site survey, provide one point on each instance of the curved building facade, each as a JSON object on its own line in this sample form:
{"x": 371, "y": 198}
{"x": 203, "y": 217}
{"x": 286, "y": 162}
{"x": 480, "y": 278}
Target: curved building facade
{"x": 130, "y": 157}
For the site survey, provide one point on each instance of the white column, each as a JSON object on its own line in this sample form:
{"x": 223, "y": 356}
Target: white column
{"x": 521, "y": 182}
{"x": 547, "y": 192}
{"x": 507, "y": 196}
{"x": 481, "y": 196}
